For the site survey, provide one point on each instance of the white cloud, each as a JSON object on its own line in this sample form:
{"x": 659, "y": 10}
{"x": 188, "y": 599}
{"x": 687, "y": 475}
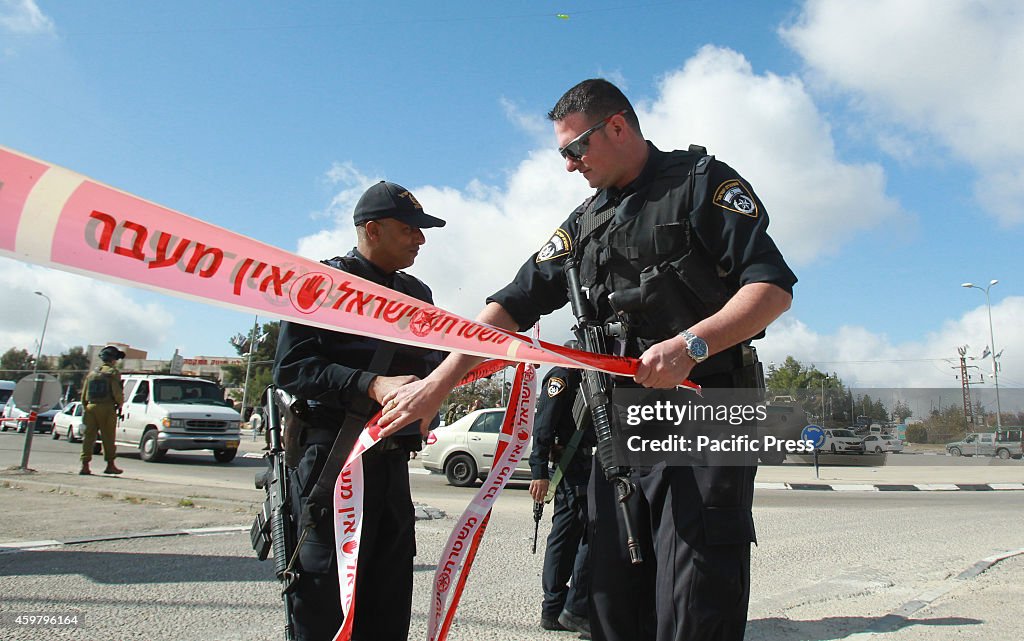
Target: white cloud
{"x": 536, "y": 125}
{"x": 24, "y": 17}
{"x": 84, "y": 312}
{"x": 953, "y": 75}
{"x": 768, "y": 128}
{"x": 490, "y": 230}
{"x": 864, "y": 358}
{"x": 765, "y": 126}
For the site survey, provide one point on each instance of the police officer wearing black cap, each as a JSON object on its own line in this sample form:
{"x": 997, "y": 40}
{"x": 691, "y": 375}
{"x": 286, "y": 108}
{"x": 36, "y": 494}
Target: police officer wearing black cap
{"x": 689, "y": 233}
{"x": 331, "y": 374}
{"x": 565, "y": 579}
{"x": 102, "y": 397}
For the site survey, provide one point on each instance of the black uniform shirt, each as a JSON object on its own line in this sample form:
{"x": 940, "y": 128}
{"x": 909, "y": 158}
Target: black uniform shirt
{"x": 728, "y": 220}
{"x": 330, "y": 367}
{"x": 554, "y": 425}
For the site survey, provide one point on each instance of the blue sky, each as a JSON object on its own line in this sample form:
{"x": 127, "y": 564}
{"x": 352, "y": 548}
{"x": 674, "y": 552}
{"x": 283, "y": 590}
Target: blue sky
{"x": 883, "y": 137}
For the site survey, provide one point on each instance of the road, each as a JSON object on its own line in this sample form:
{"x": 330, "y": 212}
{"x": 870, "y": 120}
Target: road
{"x": 828, "y": 565}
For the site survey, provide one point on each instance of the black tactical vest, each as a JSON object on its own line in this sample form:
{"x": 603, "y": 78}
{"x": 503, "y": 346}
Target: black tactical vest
{"x": 646, "y": 255}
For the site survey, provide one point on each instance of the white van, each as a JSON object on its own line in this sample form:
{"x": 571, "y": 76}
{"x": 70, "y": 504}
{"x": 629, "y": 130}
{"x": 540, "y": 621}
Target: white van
{"x": 6, "y": 389}
{"x": 163, "y": 412}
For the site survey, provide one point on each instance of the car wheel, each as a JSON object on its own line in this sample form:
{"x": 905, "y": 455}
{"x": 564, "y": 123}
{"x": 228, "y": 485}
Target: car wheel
{"x": 149, "y": 450}
{"x": 833, "y": 448}
{"x": 878, "y": 450}
{"x": 71, "y": 435}
{"x": 55, "y": 435}
{"x": 225, "y": 456}
{"x": 1003, "y": 453}
{"x": 460, "y": 470}
{"x": 955, "y": 451}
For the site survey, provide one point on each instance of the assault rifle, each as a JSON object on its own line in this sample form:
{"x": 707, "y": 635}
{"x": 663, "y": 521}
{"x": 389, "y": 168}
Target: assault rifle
{"x": 596, "y": 387}
{"x": 272, "y": 530}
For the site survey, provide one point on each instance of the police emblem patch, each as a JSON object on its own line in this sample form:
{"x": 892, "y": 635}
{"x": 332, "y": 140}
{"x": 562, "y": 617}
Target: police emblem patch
{"x": 555, "y": 386}
{"x": 557, "y": 246}
{"x": 734, "y": 196}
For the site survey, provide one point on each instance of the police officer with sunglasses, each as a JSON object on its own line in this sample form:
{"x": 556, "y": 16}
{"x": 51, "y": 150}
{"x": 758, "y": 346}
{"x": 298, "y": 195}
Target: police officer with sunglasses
{"x": 689, "y": 234}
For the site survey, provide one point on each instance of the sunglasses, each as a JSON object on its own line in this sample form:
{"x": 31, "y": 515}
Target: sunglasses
{"x": 578, "y": 146}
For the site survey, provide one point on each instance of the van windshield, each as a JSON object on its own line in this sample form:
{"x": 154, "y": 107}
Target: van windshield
{"x": 188, "y": 392}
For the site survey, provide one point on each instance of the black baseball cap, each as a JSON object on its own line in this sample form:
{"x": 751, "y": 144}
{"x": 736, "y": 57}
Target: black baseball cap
{"x": 390, "y": 200}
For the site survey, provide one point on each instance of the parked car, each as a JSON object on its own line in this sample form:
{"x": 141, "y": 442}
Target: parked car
{"x": 163, "y": 412}
{"x": 464, "y": 450}
{"x": 16, "y": 419}
{"x": 68, "y": 423}
{"x": 842, "y": 441}
{"x": 1005, "y": 444}
{"x": 879, "y": 443}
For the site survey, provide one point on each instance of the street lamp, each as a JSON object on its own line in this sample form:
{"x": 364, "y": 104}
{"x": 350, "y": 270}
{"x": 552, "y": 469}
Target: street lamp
{"x": 992, "y": 337}
{"x": 253, "y": 342}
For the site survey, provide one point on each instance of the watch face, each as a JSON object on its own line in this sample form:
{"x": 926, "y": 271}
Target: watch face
{"x": 698, "y": 348}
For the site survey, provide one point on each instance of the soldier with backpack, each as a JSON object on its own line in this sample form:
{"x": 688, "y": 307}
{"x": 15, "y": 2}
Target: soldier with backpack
{"x": 102, "y": 396}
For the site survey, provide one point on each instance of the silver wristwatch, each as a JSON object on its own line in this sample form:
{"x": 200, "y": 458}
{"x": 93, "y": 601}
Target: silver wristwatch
{"x": 696, "y": 347}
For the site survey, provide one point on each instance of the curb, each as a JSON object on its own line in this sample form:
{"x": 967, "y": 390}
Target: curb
{"x": 891, "y": 487}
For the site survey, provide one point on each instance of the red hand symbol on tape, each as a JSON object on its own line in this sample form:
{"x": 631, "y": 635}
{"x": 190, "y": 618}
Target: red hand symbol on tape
{"x": 309, "y": 292}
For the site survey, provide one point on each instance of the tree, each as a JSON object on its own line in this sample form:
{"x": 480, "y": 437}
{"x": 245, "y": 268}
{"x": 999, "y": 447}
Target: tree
{"x": 821, "y": 395}
{"x": 946, "y": 424}
{"x": 901, "y": 412}
{"x": 917, "y": 433}
{"x": 16, "y": 363}
{"x": 488, "y": 391}
{"x": 73, "y": 365}
{"x": 260, "y": 367}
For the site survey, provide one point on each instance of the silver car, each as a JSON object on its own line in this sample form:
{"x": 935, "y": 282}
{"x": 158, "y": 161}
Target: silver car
{"x": 464, "y": 450}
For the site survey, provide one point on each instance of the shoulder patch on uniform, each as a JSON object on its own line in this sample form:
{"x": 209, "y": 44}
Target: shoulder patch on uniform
{"x": 560, "y": 244}
{"x": 555, "y": 386}
{"x": 735, "y": 196}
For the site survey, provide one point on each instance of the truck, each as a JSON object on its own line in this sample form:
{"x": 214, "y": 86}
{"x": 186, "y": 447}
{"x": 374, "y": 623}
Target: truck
{"x": 162, "y": 412}
{"x": 1004, "y": 444}
{"x": 785, "y": 419}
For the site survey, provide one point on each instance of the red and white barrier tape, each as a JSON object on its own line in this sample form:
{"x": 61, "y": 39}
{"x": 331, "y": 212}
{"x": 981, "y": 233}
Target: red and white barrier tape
{"x": 57, "y": 218}
{"x": 348, "y": 505}
{"x": 457, "y": 558}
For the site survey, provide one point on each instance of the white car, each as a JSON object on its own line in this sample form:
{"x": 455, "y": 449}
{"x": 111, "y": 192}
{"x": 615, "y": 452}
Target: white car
{"x": 878, "y": 443}
{"x": 464, "y": 450}
{"x": 842, "y": 441}
{"x": 16, "y": 419}
{"x": 68, "y": 423}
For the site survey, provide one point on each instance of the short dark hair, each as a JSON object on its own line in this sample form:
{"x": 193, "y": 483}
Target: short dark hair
{"x": 596, "y": 98}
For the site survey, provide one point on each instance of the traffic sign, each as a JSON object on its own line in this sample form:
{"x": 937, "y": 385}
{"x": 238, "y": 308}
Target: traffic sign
{"x": 814, "y": 434}
{"x": 24, "y": 392}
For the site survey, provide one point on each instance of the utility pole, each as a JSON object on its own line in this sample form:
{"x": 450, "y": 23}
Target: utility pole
{"x": 965, "y": 384}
